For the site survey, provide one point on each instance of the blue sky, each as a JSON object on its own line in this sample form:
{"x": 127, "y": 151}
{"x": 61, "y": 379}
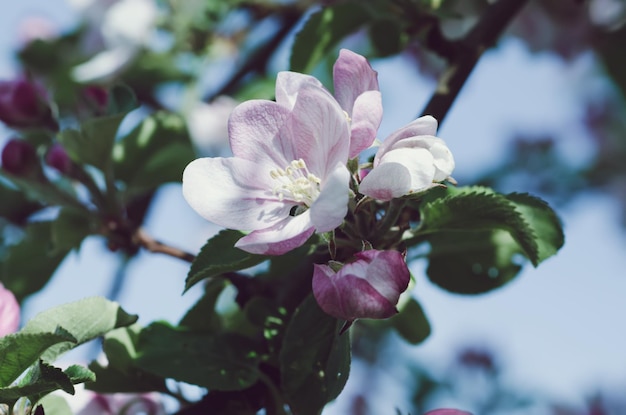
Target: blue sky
{"x": 557, "y": 328}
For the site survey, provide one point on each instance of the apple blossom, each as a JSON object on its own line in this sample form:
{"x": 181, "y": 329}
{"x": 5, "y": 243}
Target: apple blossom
{"x": 9, "y": 312}
{"x": 123, "y": 403}
{"x": 287, "y": 178}
{"x": 410, "y": 160}
{"x": 369, "y": 287}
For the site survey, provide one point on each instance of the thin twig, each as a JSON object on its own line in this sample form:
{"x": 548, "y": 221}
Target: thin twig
{"x": 482, "y": 36}
{"x": 147, "y": 242}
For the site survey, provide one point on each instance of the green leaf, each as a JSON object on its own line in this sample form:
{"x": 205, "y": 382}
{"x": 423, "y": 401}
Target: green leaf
{"x": 55, "y": 405}
{"x": 70, "y": 228}
{"x": 314, "y": 359}
{"x": 153, "y": 153}
{"x": 121, "y": 374}
{"x": 93, "y": 143}
{"x": 218, "y": 256}
{"x": 28, "y": 265}
{"x": 322, "y": 31}
{"x": 18, "y": 351}
{"x": 473, "y": 262}
{"x": 121, "y": 100}
{"x": 15, "y": 206}
{"x": 478, "y": 209}
{"x": 411, "y": 323}
{"x": 387, "y": 37}
{"x": 85, "y": 319}
{"x": 544, "y": 222}
{"x": 40, "y": 380}
{"x": 79, "y": 374}
{"x": 202, "y": 315}
{"x": 219, "y": 361}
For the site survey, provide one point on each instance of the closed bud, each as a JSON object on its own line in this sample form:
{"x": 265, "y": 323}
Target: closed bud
{"x": 58, "y": 159}
{"x": 23, "y": 105}
{"x": 368, "y": 287}
{"x": 9, "y": 312}
{"x": 96, "y": 99}
{"x": 19, "y": 157}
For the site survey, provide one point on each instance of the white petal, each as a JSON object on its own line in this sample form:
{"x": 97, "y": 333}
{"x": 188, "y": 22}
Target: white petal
{"x": 331, "y": 206}
{"x": 104, "y": 65}
{"x": 280, "y": 238}
{"x": 367, "y": 114}
{"x": 386, "y": 181}
{"x": 233, "y": 193}
{"x": 425, "y": 125}
{"x": 418, "y": 161}
{"x": 288, "y": 84}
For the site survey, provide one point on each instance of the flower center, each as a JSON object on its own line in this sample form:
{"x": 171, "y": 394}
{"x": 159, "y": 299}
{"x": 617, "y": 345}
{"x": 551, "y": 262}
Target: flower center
{"x": 296, "y": 183}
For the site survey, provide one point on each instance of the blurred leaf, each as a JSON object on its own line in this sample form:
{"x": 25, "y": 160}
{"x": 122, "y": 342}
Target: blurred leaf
{"x": 222, "y": 361}
{"x": 70, "y": 228}
{"x": 15, "y": 206}
{"x": 55, "y": 405}
{"x": 85, "y": 319}
{"x": 43, "y": 191}
{"x": 151, "y": 69}
{"x": 411, "y": 323}
{"x": 121, "y": 100}
{"x": 27, "y": 266}
{"x": 387, "y": 37}
{"x": 546, "y": 225}
{"x": 323, "y": 30}
{"x": 314, "y": 359}
{"x": 18, "y": 351}
{"x": 478, "y": 209}
{"x": 473, "y": 262}
{"x": 218, "y": 256}
{"x": 202, "y": 315}
{"x": 121, "y": 374}
{"x": 155, "y": 152}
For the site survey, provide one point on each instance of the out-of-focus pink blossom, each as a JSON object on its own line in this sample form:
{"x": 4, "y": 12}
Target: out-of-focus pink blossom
{"x": 23, "y": 104}
{"x": 410, "y": 160}
{"x": 123, "y": 404}
{"x": 369, "y": 287}
{"x": 19, "y": 157}
{"x": 58, "y": 159}
{"x": 9, "y": 312}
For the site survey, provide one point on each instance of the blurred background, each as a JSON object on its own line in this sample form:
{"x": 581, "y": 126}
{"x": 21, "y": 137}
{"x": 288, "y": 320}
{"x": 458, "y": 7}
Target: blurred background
{"x": 543, "y": 112}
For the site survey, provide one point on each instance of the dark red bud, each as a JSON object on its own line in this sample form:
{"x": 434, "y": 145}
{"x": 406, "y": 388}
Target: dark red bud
{"x": 97, "y": 98}
{"x": 58, "y": 159}
{"x": 19, "y": 157}
{"x": 23, "y": 105}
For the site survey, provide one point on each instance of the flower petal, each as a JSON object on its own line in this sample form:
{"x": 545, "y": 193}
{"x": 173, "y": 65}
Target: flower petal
{"x": 331, "y": 206}
{"x": 387, "y": 181}
{"x": 425, "y": 125}
{"x": 288, "y": 84}
{"x": 366, "y": 117}
{"x": 418, "y": 161}
{"x": 9, "y": 312}
{"x": 254, "y": 128}
{"x": 233, "y": 193}
{"x": 352, "y": 76}
{"x": 280, "y": 238}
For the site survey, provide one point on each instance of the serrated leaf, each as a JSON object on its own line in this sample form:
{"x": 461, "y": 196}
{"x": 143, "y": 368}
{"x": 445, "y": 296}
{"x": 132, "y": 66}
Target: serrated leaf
{"x": 411, "y": 323}
{"x": 323, "y": 30}
{"x": 79, "y": 374}
{"x": 222, "y": 361}
{"x": 546, "y": 225}
{"x": 85, "y": 319}
{"x": 476, "y": 210}
{"x": 40, "y": 380}
{"x": 218, "y": 256}
{"x": 18, "y": 351}
{"x": 153, "y": 153}
{"x": 28, "y": 265}
{"x": 202, "y": 315}
{"x": 473, "y": 262}
{"x": 314, "y": 359}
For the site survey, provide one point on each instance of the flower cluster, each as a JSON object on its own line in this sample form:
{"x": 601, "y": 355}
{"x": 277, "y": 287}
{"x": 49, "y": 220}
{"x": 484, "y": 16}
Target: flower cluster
{"x": 295, "y": 172}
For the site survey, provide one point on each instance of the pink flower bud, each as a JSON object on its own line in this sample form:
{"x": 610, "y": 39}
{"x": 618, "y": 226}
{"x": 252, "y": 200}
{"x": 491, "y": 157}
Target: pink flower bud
{"x": 9, "y": 312}
{"x": 96, "y": 98}
{"x": 18, "y": 157}
{"x": 23, "y": 105}
{"x": 58, "y": 159}
{"x": 369, "y": 287}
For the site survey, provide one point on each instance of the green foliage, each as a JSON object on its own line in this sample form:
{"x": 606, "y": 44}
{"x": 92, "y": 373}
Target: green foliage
{"x": 202, "y": 315}
{"x": 55, "y": 405}
{"x": 218, "y": 256}
{"x": 322, "y": 31}
{"x": 70, "y": 228}
{"x": 314, "y": 359}
{"x": 411, "y": 322}
{"x": 15, "y": 206}
{"x": 218, "y": 361}
{"x": 153, "y": 153}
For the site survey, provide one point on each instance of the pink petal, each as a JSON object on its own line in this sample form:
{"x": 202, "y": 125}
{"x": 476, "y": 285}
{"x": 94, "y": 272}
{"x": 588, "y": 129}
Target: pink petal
{"x": 366, "y": 117}
{"x": 280, "y": 238}
{"x": 425, "y": 125}
{"x": 386, "y": 271}
{"x": 386, "y": 182}
{"x": 352, "y": 76}
{"x": 254, "y": 128}
{"x": 9, "y": 312}
{"x": 288, "y": 84}
{"x": 233, "y": 193}
{"x": 331, "y": 206}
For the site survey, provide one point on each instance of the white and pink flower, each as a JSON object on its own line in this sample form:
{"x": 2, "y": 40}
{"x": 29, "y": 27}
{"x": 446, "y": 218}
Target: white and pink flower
{"x": 9, "y": 312}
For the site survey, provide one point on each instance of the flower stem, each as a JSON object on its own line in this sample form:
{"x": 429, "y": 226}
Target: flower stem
{"x": 482, "y": 36}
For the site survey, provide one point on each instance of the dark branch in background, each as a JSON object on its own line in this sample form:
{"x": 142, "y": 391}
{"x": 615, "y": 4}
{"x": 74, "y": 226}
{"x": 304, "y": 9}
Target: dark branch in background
{"x": 147, "y": 242}
{"x": 257, "y": 61}
{"x": 469, "y": 50}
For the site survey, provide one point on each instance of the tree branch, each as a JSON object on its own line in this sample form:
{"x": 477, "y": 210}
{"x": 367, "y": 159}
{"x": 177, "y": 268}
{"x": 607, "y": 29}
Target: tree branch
{"x": 482, "y": 36}
{"x": 144, "y": 240}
